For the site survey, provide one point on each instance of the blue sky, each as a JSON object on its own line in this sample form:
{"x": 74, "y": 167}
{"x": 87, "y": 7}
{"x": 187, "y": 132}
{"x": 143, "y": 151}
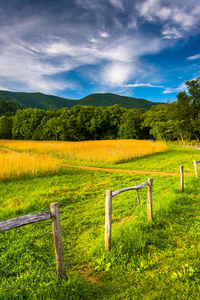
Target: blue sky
{"x": 72, "y": 48}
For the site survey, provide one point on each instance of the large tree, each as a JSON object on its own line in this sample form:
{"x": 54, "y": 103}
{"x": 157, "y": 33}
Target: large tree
{"x": 5, "y": 127}
{"x": 25, "y": 122}
{"x": 194, "y": 91}
{"x": 131, "y": 124}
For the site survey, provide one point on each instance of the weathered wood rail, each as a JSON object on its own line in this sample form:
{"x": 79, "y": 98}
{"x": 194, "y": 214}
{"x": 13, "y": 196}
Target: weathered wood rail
{"x": 108, "y": 207}
{"x": 24, "y": 220}
{"x": 42, "y": 216}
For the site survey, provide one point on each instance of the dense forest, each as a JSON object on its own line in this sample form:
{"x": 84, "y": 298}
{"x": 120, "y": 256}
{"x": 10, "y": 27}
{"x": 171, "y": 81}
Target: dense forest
{"x": 178, "y": 120}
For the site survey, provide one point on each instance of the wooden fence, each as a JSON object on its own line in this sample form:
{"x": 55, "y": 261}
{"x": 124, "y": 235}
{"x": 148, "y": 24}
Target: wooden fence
{"x": 46, "y": 215}
{"x": 187, "y": 144}
{"x": 108, "y": 207}
{"x": 195, "y": 162}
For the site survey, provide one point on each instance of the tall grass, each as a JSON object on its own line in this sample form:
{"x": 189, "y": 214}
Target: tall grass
{"x": 109, "y": 151}
{"x": 14, "y": 165}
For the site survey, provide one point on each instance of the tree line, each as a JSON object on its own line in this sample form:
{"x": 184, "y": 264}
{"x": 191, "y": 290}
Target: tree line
{"x": 178, "y": 120}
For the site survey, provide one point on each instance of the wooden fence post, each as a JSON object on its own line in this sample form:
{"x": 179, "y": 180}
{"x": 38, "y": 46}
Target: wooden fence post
{"x": 195, "y": 168}
{"x": 182, "y": 177}
{"x": 108, "y": 219}
{"x": 60, "y": 261}
{"x": 149, "y": 199}
{"x": 138, "y": 198}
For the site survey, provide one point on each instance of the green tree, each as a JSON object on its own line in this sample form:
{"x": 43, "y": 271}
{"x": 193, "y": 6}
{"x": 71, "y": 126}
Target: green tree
{"x": 83, "y": 115}
{"x": 53, "y": 128}
{"x": 194, "y": 91}
{"x": 97, "y": 124}
{"x": 195, "y": 128}
{"x": 25, "y": 122}
{"x": 41, "y": 132}
{"x": 160, "y": 120}
{"x": 6, "y": 127}
{"x": 70, "y": 130}
{"x": 183, "y": 115}
{"x": 130, "y": 124}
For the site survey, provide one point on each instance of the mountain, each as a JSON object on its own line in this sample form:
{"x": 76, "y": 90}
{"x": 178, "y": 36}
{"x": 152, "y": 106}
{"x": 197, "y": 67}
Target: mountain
{"x": 48, "y": 102}
{"x": 9, "y": 108}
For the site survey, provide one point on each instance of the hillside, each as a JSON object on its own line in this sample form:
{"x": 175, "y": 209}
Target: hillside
{"x": 8, "y": 108}
{"x": 48, "y": 102}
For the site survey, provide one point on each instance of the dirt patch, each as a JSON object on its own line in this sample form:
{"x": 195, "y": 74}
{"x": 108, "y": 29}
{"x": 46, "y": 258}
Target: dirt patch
{"x": 124, "y": 171}
{"x": 8, "y": 150}
{"x": 87, "y": 274}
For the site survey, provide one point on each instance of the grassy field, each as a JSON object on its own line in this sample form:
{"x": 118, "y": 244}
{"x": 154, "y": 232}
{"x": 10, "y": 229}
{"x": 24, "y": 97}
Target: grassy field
{"x": 89, "y": 152}
{"x": 157, "y": 260}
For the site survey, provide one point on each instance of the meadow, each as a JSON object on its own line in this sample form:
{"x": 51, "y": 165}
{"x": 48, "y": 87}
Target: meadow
{"x": 148, "y": 260}
{"x": 103, "y": 152}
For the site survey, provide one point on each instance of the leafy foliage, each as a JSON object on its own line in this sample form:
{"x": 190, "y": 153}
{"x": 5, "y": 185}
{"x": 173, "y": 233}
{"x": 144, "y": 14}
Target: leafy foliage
{"x": 179, "y": 119}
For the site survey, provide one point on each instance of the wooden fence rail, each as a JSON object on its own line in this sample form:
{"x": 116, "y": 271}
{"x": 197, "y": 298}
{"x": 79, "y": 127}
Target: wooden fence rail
{"x": 46, "y": 215}
{"x": 24, "y": 220}
{"x": 108, "y": 207}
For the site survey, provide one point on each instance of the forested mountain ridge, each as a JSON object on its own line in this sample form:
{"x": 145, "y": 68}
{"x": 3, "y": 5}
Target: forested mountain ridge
{"x": 50, "y": 103}
{"x": 178, "y": 120}
{"x": 9, "y": 108}
{"x": 112, "y": 99}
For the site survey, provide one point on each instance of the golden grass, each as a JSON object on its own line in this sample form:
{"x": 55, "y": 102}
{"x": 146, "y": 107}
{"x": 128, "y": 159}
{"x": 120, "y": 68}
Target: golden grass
{"x": 108, "y": 151}
{"x": 14, "y": 165}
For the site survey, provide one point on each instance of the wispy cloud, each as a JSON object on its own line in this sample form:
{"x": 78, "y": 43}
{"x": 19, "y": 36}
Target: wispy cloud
{"x": 135, "y": 85}
{"x": 55, "y": 45}
{"x": 177, "y": 18}
{"x": 194, "y": 57}
{"x": 180, "y": 88}
{"x": 118, "y": 4}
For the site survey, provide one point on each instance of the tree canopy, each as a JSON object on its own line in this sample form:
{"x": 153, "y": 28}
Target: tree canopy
{"x": 178, "y": 120}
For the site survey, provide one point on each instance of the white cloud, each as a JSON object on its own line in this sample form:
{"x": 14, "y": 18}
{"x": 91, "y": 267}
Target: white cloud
{"x": 95, "y": 41}
{"x": 117, "y": 73}
{"x": 32, "y": 64}
{"x": 176, "y": 17}
{"x": 171, "y": 33}
{"x": 133, "y": 23}
{"x": 118, "y": 4}
{"x": 180, "y": 88}
{"x": 148, "y": 9}
{"x": 133, "y": 85}
{"x": 197, "y": 56}
{"x": 38, "y": 52}
{"x": 104, "y": 34}
{"x": 164, "y": 13}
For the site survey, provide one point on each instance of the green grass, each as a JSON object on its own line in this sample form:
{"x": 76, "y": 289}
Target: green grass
{"x": 148, "y": 260}
{"x": 169, "y": 161}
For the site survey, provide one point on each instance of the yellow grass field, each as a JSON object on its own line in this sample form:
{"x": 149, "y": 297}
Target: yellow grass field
{"x": 14, "y": 165}
{"x": 40, "y": 156}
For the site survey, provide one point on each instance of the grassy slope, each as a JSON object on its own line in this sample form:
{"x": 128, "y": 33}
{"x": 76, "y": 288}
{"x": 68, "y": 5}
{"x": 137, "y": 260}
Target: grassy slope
{"x": 147, "y": 261}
